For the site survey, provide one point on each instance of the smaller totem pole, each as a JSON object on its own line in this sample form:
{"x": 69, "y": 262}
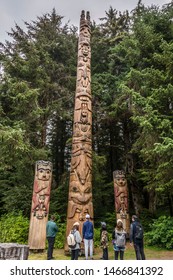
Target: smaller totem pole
{"x": 121, "y": 198}
{"x": 40, "y": 205}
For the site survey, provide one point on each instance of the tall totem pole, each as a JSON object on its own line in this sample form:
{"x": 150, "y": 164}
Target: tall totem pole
{"x": 80, "y": 185}
{"x": 40, "y": 205}
{"x": 121, "y": 198}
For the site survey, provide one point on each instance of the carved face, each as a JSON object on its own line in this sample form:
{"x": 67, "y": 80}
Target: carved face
{"x": 84, "y": 115}
{"x": 122, "y": 199}
{"x": 80, "y": 194}
{"x": 43, "y": 173}
{"x": 120, "y": 180}
{"x": 41, "y": 199}
{"x": 85, "y": 49}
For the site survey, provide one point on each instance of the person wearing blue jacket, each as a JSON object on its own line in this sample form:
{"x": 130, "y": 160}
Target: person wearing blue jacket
{"x": 51, "y": 231}
{"x": 88, "y": 235}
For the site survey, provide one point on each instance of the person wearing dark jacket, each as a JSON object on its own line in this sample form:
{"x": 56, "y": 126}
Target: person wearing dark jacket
{"x": 88, "y": 234}
{"x": 138, "y": 243}
{"x": 51, "y": 231}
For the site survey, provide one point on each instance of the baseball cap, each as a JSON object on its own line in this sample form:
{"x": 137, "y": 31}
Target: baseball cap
{"x": 87, "y": 216}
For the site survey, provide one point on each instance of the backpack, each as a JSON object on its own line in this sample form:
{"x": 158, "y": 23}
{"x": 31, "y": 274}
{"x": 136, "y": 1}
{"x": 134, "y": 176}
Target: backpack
{"x": 120, "y": 239}
{"x": 71, "y": 240}
{"x": 104, "y": 238}
{"x": 139, "y": 232}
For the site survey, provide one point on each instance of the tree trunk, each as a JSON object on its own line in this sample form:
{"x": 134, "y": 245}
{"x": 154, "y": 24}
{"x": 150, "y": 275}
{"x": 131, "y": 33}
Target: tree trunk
{"x": 136, "y": 198}
{"x": 152, "y": 202}
{"x": 170, "y": 202}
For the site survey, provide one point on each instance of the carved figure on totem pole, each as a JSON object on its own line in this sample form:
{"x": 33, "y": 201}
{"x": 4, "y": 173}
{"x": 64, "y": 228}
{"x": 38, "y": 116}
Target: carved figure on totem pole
{"x": 40, "y": 204}
{"x": 121, "y": 198}
{"x": 80, "y": 186}
{"x": 41, "y": 192}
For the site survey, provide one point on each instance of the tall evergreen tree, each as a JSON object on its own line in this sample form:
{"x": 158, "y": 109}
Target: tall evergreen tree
{"x": 38, "y": 82}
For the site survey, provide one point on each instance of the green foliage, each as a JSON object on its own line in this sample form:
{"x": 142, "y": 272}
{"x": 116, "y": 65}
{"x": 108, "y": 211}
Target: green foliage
{"x": 14, "y": 228}
{"x": 110, "y": 220}
{"x": 102, "y": 192}
{"x": 59, "y": 197}
{"x": 146, "y": 219}
{"x": 60, "y": 237}
{"x": 161, "y": 233}
{"x": 96, "y": 237}
{"x": 132, "y": 101}
{"x": 36, "y": 89}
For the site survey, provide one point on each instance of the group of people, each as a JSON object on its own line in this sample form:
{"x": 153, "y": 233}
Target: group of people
{"x": 119, "y": 237}
{"x": 87, "y": 237}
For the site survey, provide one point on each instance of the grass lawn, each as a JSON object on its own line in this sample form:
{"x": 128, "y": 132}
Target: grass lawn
{"x": 151, "y": 253}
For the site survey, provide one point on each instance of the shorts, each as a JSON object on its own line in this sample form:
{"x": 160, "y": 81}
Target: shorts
{"x": 119, "y": 248}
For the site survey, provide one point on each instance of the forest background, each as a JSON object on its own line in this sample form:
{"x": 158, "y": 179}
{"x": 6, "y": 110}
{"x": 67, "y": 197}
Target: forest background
{"x": 132, "y": 102}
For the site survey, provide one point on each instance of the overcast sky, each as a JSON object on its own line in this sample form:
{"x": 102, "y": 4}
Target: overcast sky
{"x": 18, "y": 11}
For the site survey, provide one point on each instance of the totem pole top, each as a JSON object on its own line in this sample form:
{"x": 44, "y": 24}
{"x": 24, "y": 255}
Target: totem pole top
{"x": 85, "y": 21}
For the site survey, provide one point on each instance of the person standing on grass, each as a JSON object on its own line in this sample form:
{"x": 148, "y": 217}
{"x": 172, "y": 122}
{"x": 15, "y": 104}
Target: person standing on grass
{"x": 51, "y": 231}
{"x": 136, "y": 237}
{"x": 78, "y": 239}
{"x": 119, "y": 240}
{"x": 88, "y": 235}
{"x": 104, "y": 240}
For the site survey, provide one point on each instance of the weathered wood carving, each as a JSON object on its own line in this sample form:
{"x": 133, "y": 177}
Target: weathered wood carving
{"x": 80, "y": 186}
{"x": 13, "y": 251}
{"x": 40, "y": 204}
{"x": 121, "y": 198}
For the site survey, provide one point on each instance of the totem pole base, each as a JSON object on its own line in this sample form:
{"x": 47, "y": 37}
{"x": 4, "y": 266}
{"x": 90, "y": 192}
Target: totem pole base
{"x": 13, "y": 251}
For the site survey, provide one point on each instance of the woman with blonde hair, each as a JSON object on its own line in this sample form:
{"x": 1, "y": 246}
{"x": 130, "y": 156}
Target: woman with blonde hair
{"x": 119, "y": 240}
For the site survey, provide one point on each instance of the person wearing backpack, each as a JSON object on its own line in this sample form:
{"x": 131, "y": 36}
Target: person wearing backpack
{"x": 104, "y": 240}
{"x": 119, "y": 240}
{"x": 136, "y": 237}
{"x": 77, "y": 237}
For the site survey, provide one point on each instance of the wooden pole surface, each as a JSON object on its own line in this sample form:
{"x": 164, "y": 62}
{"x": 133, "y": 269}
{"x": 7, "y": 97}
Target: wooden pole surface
{"x": 40, "y": 205}
{"x": 80, "y": 185}
{"x": 121, "y": 198}
{"x": 13, "y": 251}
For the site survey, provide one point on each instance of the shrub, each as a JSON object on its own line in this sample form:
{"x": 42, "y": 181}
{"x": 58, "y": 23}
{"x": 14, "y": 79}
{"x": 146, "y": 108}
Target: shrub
{"x": 146, "y": 218}
{"x": 60, "y": 237}
{"x": 14, "y": 228}
{"x": 161, "y": 233}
